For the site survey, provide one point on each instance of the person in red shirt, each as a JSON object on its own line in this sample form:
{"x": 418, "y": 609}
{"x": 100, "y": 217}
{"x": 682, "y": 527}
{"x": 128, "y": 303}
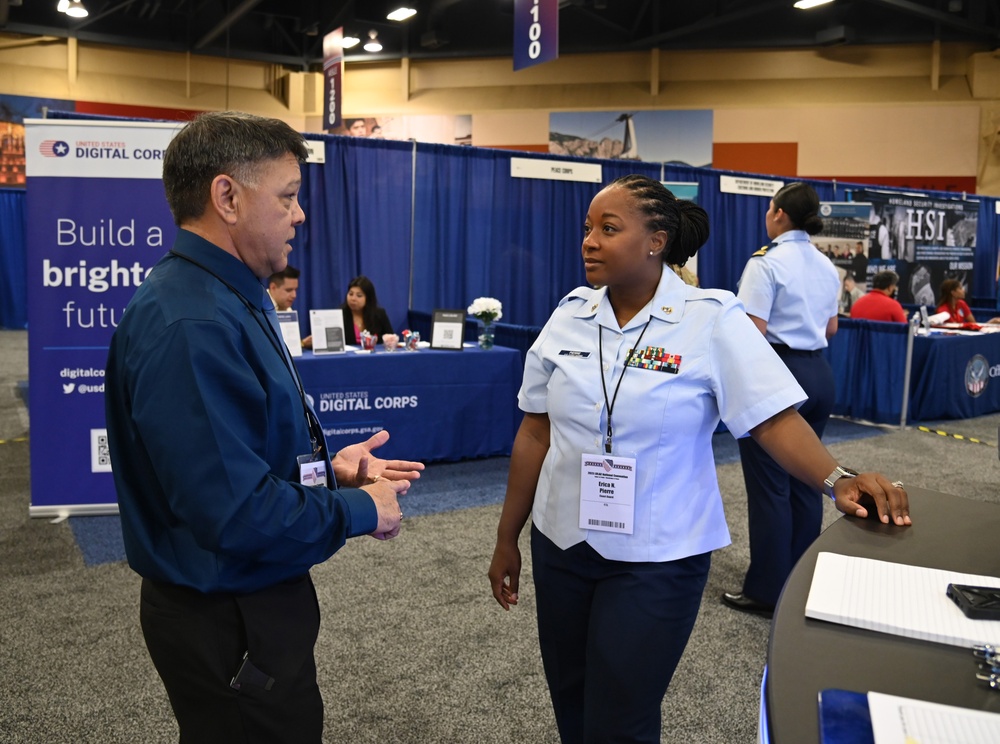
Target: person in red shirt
{"x": 880, "y": 302}
{"x": 953, "y": 302}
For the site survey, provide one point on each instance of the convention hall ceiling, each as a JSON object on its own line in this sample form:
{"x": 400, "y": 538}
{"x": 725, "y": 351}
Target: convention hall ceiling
{"x": 290, "y": 32}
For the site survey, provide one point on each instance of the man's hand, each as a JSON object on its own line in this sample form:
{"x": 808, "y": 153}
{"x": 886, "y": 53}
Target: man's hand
{"x": 356, "y": 466}
{"x": 854, "y": 496}
{"x": 384, "y": 493}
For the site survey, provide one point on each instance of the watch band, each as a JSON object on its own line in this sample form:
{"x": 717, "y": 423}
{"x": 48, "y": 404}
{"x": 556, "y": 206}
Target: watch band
{"x": 838, "y": 473}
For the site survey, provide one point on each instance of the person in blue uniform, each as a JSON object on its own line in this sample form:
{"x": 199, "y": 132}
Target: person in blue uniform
{"x": 622, "y": 391}
{"x": 226, "y": 490}
{"x": 790, "y": 290}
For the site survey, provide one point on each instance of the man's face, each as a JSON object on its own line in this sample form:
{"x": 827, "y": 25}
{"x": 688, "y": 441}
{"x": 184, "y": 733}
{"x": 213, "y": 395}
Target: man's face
{"x": 267, "y": 215}
{"x": 358, "y": 129}
{"x": 284, "y": 294}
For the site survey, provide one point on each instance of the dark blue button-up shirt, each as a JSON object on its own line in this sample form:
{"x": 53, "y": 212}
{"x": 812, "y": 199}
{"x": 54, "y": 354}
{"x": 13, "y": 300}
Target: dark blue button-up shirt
{"x": 205, "y": 423}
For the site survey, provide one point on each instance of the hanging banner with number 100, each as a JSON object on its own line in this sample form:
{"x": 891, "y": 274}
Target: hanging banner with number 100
{"x": 536, "y": 32}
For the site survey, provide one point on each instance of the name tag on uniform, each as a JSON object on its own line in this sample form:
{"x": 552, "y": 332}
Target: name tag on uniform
{"x": 577, "y": 354}
{"x": 312, "y": 470}
{"x": 607, "y": 493}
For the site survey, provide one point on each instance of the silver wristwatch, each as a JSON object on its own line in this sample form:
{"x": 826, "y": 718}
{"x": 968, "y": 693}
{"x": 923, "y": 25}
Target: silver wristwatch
{"x": 835, "y": 476}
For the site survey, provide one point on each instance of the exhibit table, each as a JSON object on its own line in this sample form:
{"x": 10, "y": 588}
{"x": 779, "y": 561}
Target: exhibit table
{"x": 949, "y": 379}
{"x": 806, "y": 656}
{"x": 436, "y": 405}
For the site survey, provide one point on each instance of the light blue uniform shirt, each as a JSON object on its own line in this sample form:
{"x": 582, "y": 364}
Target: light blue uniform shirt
{"x": 794, "y": 288}
{"x": 666, "y": 420}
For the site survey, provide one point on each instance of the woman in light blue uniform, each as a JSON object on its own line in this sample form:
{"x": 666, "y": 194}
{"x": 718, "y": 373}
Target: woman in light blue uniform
{"x": 622, "y": 392}
{"x": 790, "y": 291}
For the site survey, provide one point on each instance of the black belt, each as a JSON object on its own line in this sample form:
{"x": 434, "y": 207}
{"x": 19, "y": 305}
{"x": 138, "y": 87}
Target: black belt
{"x": 785, "y": 350}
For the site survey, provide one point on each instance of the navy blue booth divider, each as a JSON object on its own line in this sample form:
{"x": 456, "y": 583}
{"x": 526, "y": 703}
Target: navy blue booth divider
{"x": 869, "y": 360}
{"x": 950, "y": 375}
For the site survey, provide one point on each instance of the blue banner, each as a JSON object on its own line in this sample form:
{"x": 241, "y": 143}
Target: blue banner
{"x": 333, "y": 76}
{"x": 97, "y": 221}
{"x": 536, "y": 32}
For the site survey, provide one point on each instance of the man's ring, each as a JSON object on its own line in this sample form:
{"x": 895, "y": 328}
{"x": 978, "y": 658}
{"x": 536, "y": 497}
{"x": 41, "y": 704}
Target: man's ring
{"x": 376, "y": 478}
{"x": 400, "y": 513}
{"x": 897, "y": 484}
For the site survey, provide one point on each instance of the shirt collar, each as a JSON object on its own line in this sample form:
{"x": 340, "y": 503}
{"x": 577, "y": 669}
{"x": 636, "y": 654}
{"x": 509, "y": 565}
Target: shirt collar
{"x": 667, "y": 303}
{"x": 224, "y": 265}
{"x": 792, "y": 235}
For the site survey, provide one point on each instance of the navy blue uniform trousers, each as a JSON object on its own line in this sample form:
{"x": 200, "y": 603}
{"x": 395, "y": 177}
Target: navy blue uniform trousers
{"x": 785, "y": 515}
{"x": 197, "y": 643}
{"x": 611, "y": 634}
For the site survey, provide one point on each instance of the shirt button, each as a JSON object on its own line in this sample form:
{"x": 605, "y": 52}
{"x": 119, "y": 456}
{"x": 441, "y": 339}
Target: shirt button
{"x": 606, "y": 366}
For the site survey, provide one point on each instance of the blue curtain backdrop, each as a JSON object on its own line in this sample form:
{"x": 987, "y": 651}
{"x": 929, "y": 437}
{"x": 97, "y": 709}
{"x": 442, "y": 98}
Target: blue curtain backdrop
{"x": 480, "y": 232}
{"x": 13, "y": 260}
{"x": 435, "y": 226}
{"x": 357, "y": 207}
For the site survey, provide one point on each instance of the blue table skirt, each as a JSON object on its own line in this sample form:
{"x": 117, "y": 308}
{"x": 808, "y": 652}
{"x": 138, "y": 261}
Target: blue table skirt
{"x": 950, "y": 376}
{"x": 436, "y": 405}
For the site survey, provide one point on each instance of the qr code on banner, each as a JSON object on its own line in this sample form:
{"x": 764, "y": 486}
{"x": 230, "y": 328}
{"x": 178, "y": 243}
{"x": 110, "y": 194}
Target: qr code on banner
{"x": 100, "y": 455}
{"x": 448, "y": 335}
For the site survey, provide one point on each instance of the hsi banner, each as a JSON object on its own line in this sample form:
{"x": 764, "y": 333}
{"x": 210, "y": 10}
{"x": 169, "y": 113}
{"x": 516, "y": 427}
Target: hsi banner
{"x": 97, "y": 223}
{"x": 923, "y": 239}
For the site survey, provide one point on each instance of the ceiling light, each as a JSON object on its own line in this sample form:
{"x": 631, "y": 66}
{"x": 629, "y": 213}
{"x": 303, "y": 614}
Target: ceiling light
{"x": 349, "y": 41}
{"x": 75, "y": 9}
{"x": 62, "y": 6}
{"x": 401, "y": 14}
{"x": 806, "y": 4}
{"x": 373, "y": 45}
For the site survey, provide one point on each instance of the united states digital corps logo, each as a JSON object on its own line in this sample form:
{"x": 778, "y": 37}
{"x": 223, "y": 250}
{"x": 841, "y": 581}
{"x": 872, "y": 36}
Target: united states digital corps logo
{"x": 53, "y": 148}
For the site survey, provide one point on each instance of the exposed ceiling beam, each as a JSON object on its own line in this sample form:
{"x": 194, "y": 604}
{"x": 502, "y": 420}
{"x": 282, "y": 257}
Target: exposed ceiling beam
{"x": 222, "y": 26}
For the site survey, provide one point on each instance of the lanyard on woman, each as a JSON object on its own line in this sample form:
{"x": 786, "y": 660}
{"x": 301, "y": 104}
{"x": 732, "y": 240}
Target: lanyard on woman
{"x": 611, "y": 404}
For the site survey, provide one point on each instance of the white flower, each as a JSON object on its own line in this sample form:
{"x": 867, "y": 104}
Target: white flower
{"x": 486, "y": 309}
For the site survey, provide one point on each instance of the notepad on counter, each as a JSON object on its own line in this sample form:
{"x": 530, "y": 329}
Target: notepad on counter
{"x": 896, "y": 598}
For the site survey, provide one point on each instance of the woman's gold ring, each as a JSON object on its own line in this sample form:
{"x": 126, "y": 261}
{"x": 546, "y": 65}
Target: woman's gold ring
{"x": 897, "y": 484}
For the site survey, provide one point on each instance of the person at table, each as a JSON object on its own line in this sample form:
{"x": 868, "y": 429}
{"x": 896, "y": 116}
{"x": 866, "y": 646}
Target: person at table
{"x": 790, "y": 291}
{"x": 283, "y": 286}
{"x": 850, "y": 293}
{"x": 952, "y": 301}
{"x": 227, "y": 492}
{"x": 362, "y": 311}
{"x": 622, "y": 391}
{"x": 880, "y": 302}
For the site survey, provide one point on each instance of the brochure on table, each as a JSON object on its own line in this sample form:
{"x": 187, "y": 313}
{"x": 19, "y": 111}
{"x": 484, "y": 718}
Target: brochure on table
{"x": 327, "y": 329}
{"x": 447, "y": 329}
{"x": 288, "y": 321}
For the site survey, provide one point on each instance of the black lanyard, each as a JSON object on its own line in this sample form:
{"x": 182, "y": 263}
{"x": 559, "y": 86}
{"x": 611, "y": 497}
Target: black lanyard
{"x": 600, "y": 352}
{"x": 315, "y": 430}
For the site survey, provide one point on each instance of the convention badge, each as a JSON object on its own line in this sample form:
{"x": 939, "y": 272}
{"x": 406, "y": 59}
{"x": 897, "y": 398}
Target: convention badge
{"x": 607, "y": 493}
{"x": 312, "y": 470}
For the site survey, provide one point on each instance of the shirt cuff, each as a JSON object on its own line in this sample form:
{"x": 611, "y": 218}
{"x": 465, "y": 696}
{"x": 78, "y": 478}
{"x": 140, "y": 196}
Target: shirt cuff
{"x": 361, "y": 512}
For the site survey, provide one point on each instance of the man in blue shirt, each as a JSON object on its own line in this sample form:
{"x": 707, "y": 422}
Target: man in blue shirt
{"x": 226, "y": 490}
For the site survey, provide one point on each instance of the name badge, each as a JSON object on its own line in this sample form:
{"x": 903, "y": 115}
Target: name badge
{"x": 607, "y": 493}
{"x": 577, "y": 354}
{"x": 312, "y": 470}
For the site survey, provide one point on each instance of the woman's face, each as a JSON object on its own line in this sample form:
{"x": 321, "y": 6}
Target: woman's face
{"x": 356, "y": 299}
{"x": 617, "y": 243}
{"x": 958, "y": 293}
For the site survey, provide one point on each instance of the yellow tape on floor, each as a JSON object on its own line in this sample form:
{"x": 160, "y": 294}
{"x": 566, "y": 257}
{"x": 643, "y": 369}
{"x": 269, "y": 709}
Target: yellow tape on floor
{"x": 955, "y": 436}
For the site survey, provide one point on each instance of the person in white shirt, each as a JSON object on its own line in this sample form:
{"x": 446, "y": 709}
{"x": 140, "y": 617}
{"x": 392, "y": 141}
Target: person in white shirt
{"x": 622, "y": 392}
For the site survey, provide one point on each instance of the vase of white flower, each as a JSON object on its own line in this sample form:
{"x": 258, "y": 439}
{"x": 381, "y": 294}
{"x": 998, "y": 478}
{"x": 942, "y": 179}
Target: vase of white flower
{"x": 486, "y": 310}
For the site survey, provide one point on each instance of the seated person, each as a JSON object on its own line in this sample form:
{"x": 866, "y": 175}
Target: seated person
{"x": 849, "y": 294}
{"x": 880, "y": 302}
{"x": 283, "y": 287}
{"x": 362, "y": 313}
{"x": 953, "y": 302}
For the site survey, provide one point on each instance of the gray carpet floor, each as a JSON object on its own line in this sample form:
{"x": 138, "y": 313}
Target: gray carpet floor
{"x": 413, "y": 647}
